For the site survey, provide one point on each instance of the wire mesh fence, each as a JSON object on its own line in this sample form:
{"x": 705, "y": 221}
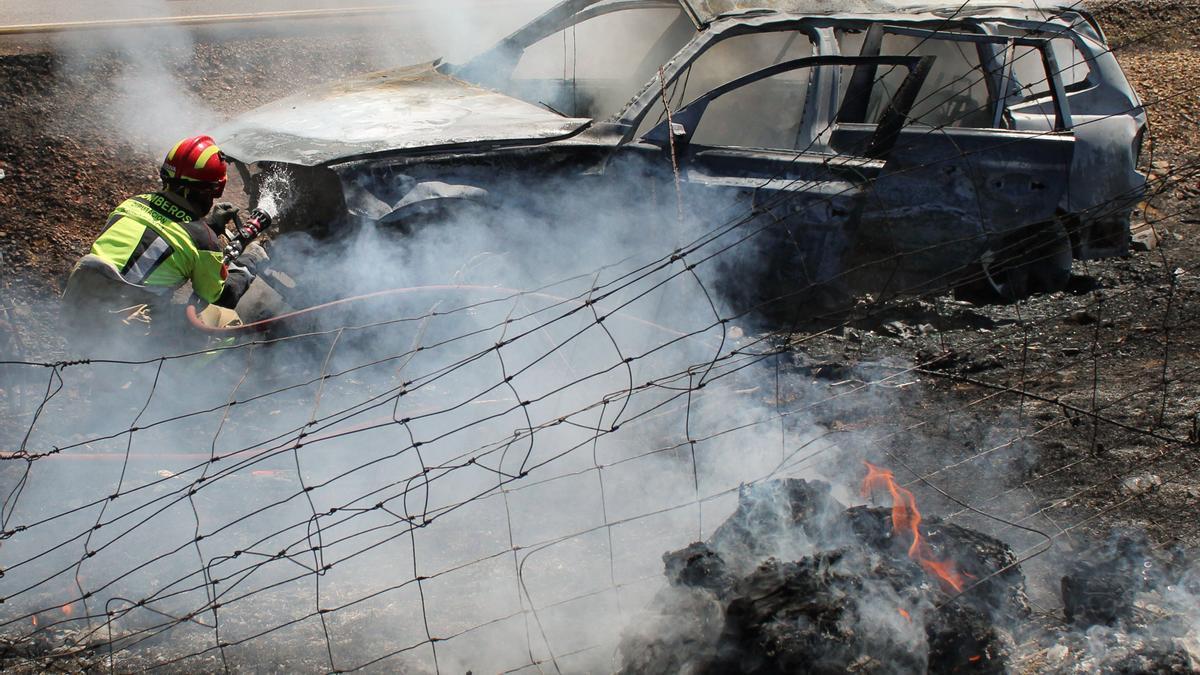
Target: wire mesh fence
{"x": 464, "y": 477}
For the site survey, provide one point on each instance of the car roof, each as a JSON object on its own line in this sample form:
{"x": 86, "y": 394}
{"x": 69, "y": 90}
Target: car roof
{"x": 705, "y": 12}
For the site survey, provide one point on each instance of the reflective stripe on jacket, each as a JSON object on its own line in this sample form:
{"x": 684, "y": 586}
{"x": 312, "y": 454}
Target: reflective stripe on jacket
{"x": 155, "y": 241}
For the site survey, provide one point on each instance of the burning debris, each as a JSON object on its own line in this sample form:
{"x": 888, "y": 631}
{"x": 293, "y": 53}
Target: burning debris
{"x": 794, "y": 581}
{"x": 871, "y": 590}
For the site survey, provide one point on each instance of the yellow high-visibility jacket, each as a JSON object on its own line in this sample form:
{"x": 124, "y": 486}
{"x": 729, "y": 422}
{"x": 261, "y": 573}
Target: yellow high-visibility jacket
{"x": 155, "y": 241}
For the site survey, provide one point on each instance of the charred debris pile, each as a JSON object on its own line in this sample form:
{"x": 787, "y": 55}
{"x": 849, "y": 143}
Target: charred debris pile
{"x": 794, "y": 581}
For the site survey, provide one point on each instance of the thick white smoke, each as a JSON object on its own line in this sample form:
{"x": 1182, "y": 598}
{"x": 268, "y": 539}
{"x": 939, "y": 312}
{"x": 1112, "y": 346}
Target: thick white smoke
{"x": 570, "y": 519}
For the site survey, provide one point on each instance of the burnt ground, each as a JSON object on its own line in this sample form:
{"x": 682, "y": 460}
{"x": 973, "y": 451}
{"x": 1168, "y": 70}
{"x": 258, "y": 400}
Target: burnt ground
{"x": 1075, "y": 413}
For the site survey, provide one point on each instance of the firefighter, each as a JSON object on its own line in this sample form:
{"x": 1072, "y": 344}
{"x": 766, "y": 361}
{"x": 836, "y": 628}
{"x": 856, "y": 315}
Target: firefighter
{"x": 154, "y": 243}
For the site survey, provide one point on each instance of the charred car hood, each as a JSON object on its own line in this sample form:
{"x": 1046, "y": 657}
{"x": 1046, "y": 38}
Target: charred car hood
{"x": 410, "y": 108}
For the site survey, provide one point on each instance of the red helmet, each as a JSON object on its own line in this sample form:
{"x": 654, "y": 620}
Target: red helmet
{"x": 195, "y": 164}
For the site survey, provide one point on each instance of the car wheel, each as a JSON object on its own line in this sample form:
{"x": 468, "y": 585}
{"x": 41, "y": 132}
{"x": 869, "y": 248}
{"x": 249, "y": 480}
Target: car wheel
{"x": 1036, "y": 261}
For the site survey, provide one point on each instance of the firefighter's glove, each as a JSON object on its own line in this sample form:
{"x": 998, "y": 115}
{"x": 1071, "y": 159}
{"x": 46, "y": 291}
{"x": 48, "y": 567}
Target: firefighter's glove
{"x": 254, "y": 258}
{"x": 220, "y": 216}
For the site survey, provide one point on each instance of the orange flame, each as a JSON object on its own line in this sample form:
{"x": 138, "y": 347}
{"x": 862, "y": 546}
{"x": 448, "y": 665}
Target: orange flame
{"x": 904, "y": 613}
{"x": 35, "y": 620}
{"x": 68, "y": 609}
{"x": 906, "y": 518}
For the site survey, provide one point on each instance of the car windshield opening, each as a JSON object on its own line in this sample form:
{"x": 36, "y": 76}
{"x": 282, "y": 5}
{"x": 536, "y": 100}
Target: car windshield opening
{"x": 591, "y": 62}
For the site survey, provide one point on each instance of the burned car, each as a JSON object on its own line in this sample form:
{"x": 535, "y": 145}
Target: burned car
{"x": 867, "y": 147}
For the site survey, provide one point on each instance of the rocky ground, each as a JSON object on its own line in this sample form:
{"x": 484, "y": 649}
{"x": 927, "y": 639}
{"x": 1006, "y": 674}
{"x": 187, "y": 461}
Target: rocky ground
{"x": 1070, "y": 415}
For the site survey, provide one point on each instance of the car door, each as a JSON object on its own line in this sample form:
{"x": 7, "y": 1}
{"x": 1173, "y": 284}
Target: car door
{"x": 1109, "y": 124}
{"x": 757, "y": 170}
{"x": 960, "y": 182}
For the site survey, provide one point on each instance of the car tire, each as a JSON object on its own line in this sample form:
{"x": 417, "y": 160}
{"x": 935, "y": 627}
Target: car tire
{"x": 1036, "y": 260}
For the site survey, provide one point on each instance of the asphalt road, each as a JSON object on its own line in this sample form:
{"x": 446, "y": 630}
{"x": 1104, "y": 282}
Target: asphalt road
{"x": 23, "y": 12}
{"x": 457, "y": 25}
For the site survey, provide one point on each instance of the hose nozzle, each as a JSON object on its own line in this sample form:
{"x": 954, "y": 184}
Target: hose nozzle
{"x": 245, "y": 231}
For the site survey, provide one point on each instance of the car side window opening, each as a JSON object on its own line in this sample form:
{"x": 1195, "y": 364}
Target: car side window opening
{"x": 1029, "y": 71}
{"x": 955, "y": 93}
{"x": 765, "y": 114}
{"x": 690, "y": 119}
{"x": 1074, "y": 70}
{"x": 589, "y": 68}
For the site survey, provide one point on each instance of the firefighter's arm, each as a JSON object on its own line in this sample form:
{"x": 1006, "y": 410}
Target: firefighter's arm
{"x": 229, "y": 283}
{"x": 217, "y": 284}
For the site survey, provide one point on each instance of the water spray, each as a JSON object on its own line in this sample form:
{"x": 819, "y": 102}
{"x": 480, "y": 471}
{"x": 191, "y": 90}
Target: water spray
{"x": 275, "y": 190}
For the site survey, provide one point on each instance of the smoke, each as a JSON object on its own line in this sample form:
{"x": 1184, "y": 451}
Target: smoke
{"x": 157, "y": 84}
{"x": 455, "y": 31}
{"x": 540, "y": 395}
{"x": 493, "y": 445}
{"x": 141, "y": 94}
{"x": 499, "y": 470}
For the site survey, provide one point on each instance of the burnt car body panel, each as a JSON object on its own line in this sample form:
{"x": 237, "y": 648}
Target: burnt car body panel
{"x": 1109, "y": 124}
{"x": 910, "y": 205}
